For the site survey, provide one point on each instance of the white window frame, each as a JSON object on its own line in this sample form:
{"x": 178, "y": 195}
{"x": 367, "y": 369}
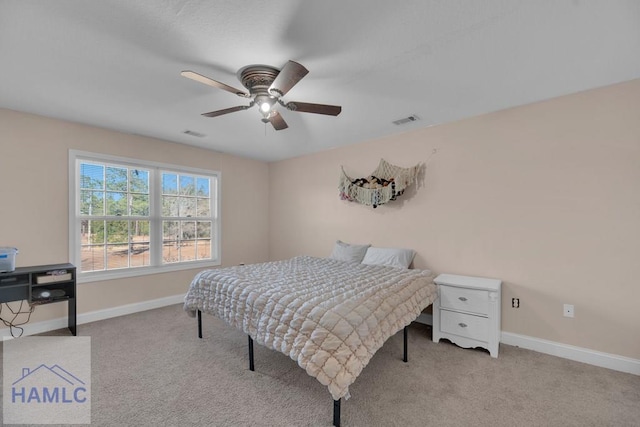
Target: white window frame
{"x": 155, "y": 217}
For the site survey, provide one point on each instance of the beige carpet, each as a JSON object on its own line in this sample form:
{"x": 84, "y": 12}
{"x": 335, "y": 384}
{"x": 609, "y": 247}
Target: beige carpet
{"x": 150, "y": 369}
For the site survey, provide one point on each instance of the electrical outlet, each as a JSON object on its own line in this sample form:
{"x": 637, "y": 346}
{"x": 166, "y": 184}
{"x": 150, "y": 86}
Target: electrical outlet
{"x": 515, "y": 302}
{"x": 568, "y": 310}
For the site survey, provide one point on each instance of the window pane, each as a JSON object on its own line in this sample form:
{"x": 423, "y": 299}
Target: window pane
{"x": 84, "y": 233}
{"x": 203, "y": 250}
{"x": 139, "y": 181}
{"x": 140, "y": 255}
{"x": 116, "y": 203}
{"x": 117, "y": 256}
{"x": 203, "y": 207}
{"x": 169, "y": 183}
{"x": 188, "y": 230}
{"x": 92, "y": 257}
{"x": 187, "y": 207}
{"x": 170, "y": 241}
{"x": 170, "y": 252}
{"x": 118, "y": 232}
{"x": 140, "y": 204}
{"x": 203, "y": 187}
{"x": 91, "y": 202}
{"x": 169, "y": 206}
{"x": 91, "y": 176}
{"x": 116, "y": 179}
{"x": 171, "y": 230}
{"x": 139, "y": 250}
{"x": 187, "y": 244}
{"x": 204, "y": 229}
{"x": 188, "y": 250}
{"x": 118, "y": 244}
{"x": 187, "y": 185}
{"x": 92, "y": 232}
{"x": 140, "y": 231}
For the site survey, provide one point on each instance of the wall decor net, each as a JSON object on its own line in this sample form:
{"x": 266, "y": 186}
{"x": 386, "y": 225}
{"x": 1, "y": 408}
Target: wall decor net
{"x": 384, "y": 184}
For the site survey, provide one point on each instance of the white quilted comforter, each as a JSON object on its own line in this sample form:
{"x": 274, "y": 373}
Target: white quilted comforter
{"x": 330, "y": 316}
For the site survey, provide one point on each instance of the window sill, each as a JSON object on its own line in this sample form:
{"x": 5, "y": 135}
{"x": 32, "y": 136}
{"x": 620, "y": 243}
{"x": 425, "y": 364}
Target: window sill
{"x": 101, "y": 276}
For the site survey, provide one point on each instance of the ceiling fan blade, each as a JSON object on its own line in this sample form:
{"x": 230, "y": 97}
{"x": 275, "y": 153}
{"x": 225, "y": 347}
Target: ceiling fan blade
{"x": 287, "y": 78}
{"x": 227, "y": 111}
{"x": 206, "y": 80}
{"x": 305, "y": 107}
{"x": 277, "y": 121}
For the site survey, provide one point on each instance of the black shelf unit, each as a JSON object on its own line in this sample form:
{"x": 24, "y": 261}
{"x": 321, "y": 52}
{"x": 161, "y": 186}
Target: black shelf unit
{"x": 22, "y": 284}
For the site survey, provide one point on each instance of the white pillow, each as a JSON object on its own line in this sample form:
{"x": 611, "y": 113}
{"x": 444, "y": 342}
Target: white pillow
{"x": 391, "y": 257}
{"x": 349, "y": 253}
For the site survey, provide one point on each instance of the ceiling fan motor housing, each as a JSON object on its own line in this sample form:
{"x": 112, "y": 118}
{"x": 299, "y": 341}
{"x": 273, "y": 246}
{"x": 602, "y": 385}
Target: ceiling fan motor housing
{"x": 258, "y": 79}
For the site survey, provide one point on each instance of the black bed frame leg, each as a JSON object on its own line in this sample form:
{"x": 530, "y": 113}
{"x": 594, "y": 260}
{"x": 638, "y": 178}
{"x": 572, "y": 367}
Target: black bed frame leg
{"x": 336, "y": 413}
{"x": 405, "y": 359}
{"x": 251, "y": 367}
{"x": 199, "y": 315}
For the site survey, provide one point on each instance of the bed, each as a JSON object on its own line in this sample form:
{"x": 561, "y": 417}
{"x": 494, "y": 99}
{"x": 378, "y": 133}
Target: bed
{"x": 328, "y": 315}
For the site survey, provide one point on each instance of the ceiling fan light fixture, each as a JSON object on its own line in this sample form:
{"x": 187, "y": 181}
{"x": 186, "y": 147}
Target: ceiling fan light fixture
{"x": 265, "y": 103}
{"x": 267, "y": 115}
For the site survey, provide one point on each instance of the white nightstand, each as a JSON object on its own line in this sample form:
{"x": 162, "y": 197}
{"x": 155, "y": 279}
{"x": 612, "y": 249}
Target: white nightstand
{"x": 467, "y": 311}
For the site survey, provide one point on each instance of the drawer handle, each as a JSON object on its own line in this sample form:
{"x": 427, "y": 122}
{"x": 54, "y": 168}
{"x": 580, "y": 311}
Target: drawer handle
{"x": 462, "y": 298}
{"x": 462, "y": 325}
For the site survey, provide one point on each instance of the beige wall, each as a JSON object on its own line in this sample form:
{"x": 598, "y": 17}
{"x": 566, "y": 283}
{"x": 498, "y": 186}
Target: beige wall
{"x": 34, "y": 202}
{"x": 545, "y": 197}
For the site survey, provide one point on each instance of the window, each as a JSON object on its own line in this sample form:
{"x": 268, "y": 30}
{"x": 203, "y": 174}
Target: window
{"x": 130, "y": 217}
{"x": 186, "y": 217}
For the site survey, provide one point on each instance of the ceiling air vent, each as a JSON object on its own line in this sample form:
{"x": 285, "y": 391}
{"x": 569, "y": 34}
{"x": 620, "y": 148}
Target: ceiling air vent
{"x": 194, "y": 133}
{"x": 406, "y": 120}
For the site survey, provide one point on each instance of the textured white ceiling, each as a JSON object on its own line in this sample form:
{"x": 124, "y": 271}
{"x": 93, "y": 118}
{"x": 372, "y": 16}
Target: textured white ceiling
{"x": 116, "y": 63}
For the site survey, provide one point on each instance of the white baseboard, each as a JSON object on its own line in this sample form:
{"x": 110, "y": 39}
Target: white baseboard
{"x": 94, "y": 316}
{"x": 579, "y": 354}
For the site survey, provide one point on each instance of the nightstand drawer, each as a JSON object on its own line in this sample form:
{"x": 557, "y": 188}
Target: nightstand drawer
{"x": 465, "y": 325}
{"x": 470, "y": 300}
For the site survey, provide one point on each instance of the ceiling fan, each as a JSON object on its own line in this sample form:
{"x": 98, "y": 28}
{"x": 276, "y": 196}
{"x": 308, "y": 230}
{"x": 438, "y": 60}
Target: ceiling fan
{"x": 266, "y": 86}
